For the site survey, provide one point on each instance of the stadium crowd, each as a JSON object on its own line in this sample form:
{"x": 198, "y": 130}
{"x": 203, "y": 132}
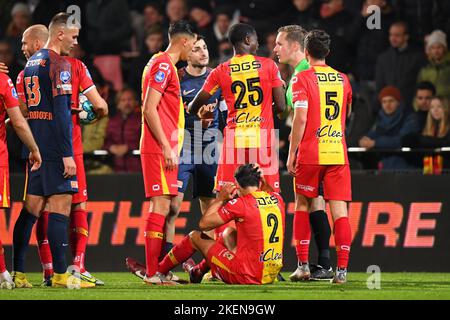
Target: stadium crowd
{"x": 400, "y": 71}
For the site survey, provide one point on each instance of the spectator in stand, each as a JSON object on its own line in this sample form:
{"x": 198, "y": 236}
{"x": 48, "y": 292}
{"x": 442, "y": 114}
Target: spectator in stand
{"x": 110, "y": 31}
{"x": 369, "y": 44}
{"x": 176, "y": 10}
{"x": 222, "y": 23}
{"x": 154, "y": 42}
{"x": 336, "y": 21}
{"x": 307, "y": 14}
{"x": 422, "y": 14}
{"x": 425, "y": 91}
{"x": 436, "y": 134}
{"x": 201, "y": 15}
{"x": 7, "y": 57}
{"x": 21, "y": 20}
{"x": 391, "y": 127}
{"x": 225, "y": 52}
{"x": 123, "y": 133}
{"x": 152, "y": 18}
{"x": 437, "y": 71}
{"x": 399, "y": 65}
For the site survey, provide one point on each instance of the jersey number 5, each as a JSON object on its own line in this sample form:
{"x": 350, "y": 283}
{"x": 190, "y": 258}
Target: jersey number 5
{"x": 272, "y": 218}
{"x": 33, "y": 91}
{"x": 255, "y": 98}
{"x": 334, "y": 104}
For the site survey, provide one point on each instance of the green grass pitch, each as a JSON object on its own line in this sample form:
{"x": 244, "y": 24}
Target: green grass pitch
{"x": 126, "y": 286}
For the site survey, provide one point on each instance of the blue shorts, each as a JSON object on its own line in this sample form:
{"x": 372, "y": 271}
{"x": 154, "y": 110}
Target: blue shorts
{"x": 49, "y": 180}
{"x": 203, "y": 175}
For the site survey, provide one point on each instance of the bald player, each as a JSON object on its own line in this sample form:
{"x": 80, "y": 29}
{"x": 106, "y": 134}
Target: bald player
{"x": 34, "y": 39}
{"x": 47, "y": 80}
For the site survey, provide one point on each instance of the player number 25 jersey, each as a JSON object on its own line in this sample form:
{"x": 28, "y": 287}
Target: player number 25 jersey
{"x": 246, "y": 82}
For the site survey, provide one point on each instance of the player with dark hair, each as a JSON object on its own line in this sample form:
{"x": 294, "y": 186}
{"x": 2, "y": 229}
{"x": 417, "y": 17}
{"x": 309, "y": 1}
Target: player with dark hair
{"x": 162, "y": 138}
{"x": 9, "y": 106}
{"x": 34, "y": 39}
{"x": 318, "y": 153}
{"x": 249, "y": 84}
{"x": 48, "y": 89}
{"x": 290, "y": 49}
{"x": 250, "y": 254}
{"x": 200, "y": 136}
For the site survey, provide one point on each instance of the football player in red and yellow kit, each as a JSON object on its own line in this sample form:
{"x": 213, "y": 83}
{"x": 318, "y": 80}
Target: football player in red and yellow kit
{"x": 162, "y": 137}
{"x": 250, "y": 254}
{"x": 322, "y": 99}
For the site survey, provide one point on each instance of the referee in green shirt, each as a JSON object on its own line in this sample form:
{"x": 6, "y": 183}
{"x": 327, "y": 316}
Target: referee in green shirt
{"x": 290, "y": 50}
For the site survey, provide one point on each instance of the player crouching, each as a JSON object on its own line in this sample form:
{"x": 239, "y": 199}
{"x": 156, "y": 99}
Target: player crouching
{"x": 250, "y": 254}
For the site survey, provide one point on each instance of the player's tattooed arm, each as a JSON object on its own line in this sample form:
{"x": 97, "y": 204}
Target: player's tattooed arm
{"x": 279, "y": 100}
{"x": 22, "y": 129}
{"x": 200, "y": 100}
{"x": 211, "y": 219}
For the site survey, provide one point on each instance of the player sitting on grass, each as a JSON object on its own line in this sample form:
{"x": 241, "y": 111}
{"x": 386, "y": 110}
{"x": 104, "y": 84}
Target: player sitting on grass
{"x": 250, "y": 254}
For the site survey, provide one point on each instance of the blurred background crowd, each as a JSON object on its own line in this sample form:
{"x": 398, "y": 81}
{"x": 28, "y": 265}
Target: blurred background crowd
{"x": 400, "y": 72}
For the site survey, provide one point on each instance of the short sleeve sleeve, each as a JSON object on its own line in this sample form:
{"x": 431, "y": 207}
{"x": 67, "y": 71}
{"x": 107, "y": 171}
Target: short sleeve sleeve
{"x": 232, "y": 210}
{"x": 159, "y": 75}
{"x": 20, "y": 87}
{"x": 9, "y": 93}
{"x": 86, "y": 82}
{"x": 211, "y": 84}
{"x": 299, "y": 91}
{"x": 61, "y": 78}
{"x": 275, "y": 75}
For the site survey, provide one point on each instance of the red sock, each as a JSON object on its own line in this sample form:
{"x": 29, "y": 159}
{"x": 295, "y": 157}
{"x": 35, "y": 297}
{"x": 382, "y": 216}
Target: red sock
{"x": 79, "y": 232}
{"x": 2, "y": 259}
{"x": 343, "y": 239}
{"x": 153, "y": 241}
{"x": 203, "y": 266}
{"x": 302, "y": 235}
{"x": 179, "y": 254}
{"x": 45, "y": 254}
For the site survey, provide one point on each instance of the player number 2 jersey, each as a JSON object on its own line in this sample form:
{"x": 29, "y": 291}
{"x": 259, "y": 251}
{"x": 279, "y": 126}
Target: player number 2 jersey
{"x": 260, "y": 227}
{"x": 326, "y": 93}
{"x": 246, "y": 82}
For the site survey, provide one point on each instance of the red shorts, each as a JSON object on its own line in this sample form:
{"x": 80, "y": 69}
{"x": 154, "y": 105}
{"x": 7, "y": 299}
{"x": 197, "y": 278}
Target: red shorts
{"x": 4, "y": 187}
{"x": 81, "y": 195}
{"x": 226, "y": 266}
{"x": 231, "y": 159}
{"x": 157, "y": 180}
{"x": 336, "y": 181}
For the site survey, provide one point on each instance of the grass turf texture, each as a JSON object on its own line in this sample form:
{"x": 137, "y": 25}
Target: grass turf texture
{"x": 126, "y": 286}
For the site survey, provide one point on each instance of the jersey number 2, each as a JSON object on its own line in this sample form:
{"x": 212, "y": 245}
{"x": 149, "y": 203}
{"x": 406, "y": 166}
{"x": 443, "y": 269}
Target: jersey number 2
{"x": 273, "y": 218}
{"x": 33, "y": 90}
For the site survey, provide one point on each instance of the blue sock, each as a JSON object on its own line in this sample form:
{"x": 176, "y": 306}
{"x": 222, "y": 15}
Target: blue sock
{"x": 57, "y": 238}
{"x": 21, "y": 238}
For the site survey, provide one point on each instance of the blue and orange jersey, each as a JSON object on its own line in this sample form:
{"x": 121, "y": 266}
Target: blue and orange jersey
{"x": 8, "y": 99}
{"x": 81, "y": 84}
{"x": 161, "y": 75}
{"x": 260, "y": 225}
{"x": 190, "y": 86}
{"x": 246, "y": 82}
{"x": 47, "y": 79}
{"x": 326, "y": 93}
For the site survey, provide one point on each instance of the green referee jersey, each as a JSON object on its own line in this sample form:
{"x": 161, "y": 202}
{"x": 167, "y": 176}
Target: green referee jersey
{"x": 301, "y": 66}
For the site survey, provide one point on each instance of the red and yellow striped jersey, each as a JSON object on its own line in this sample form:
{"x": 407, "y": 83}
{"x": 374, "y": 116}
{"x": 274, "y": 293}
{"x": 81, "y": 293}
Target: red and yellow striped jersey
{"x": 8, "y": 99}
{"x": 161, "y": 75}
{"x": 246, "y": 82}
{"x": 260, "y": 225}
{"x": 326, "y": 93}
